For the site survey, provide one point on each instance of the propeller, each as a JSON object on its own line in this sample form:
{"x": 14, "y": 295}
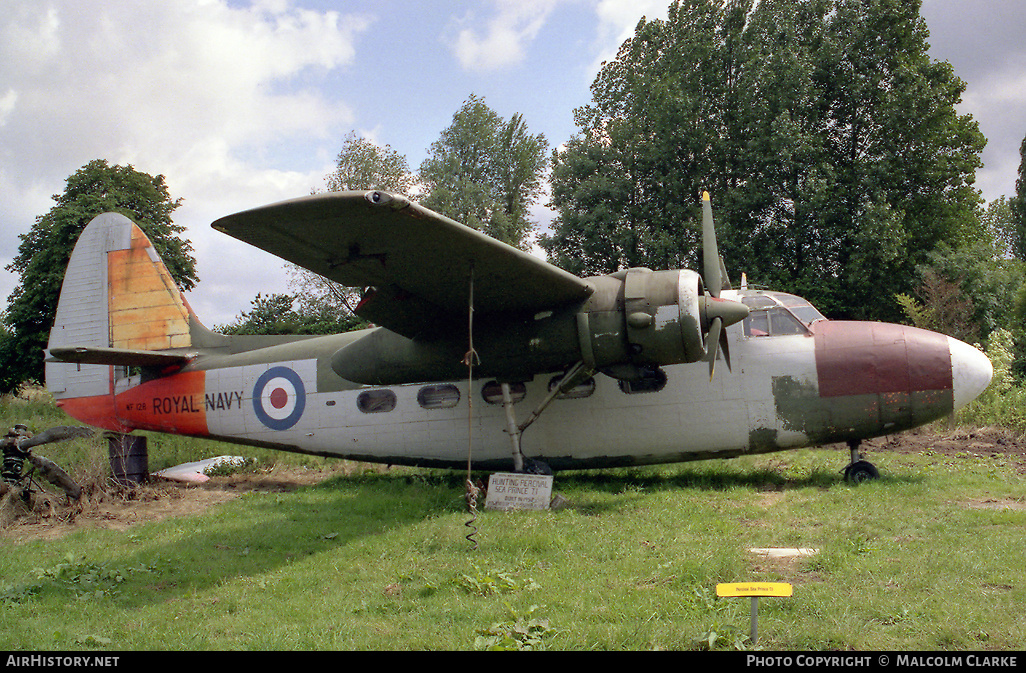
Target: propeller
{"x": 57, "y": 434}
{"x": 719, "y": 313}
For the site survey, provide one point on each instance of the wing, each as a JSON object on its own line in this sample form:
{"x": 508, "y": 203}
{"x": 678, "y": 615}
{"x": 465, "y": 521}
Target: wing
{"x": 417, "y": 263}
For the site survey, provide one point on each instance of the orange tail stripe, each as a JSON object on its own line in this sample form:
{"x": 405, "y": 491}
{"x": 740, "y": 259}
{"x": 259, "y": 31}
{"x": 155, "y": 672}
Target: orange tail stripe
{"x": 170, "y": 404}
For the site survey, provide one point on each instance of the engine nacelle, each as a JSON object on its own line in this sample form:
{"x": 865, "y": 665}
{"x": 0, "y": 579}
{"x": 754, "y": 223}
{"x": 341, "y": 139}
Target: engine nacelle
{"x": 655, "y": 319}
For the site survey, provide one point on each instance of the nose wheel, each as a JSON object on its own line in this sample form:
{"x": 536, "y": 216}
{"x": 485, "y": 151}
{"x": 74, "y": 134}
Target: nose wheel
{"x": 859, "y": 470}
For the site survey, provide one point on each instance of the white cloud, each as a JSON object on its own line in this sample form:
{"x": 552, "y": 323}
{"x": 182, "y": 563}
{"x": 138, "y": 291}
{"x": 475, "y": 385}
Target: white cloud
{"x": 214, "y": 96}
{"x": 503, "y": 40}
{"x": 7, "y": 103}
{"x": 159, "y": 81}
{"x": 1005, "y": 85}
{"x": 617, "y": 21}
{"x": 30, "y": 37}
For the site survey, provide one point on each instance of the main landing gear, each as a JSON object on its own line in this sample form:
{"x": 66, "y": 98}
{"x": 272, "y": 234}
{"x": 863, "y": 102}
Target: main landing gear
{"x": 575, "y": 375}
{"x": 859, "y": 470}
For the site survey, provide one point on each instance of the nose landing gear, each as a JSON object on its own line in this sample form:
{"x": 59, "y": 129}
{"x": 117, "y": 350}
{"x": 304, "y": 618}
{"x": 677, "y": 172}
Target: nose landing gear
{"x": 859, "y": 470}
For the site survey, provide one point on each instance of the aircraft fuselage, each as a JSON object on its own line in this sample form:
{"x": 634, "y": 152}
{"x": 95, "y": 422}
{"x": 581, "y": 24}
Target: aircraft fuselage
{"x": 831, "y": 382}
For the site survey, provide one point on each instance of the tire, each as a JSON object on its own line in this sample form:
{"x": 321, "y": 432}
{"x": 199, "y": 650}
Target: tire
{"x": 535, "y": 466}
{"x": 861, "y": 472}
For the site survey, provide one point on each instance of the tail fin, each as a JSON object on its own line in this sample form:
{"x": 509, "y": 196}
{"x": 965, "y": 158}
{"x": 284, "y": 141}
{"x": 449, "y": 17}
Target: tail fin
{"x": 118, "y": 305}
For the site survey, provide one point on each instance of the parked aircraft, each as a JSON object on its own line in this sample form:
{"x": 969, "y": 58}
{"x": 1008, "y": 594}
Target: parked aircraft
{"x": 471, "y": 333}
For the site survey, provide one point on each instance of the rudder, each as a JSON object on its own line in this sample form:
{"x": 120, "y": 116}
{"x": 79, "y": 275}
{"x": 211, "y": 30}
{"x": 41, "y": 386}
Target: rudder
{"x": 117, "y": 295}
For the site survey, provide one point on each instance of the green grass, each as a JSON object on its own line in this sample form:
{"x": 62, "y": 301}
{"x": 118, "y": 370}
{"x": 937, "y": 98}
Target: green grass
{"x": 378, "y": 561}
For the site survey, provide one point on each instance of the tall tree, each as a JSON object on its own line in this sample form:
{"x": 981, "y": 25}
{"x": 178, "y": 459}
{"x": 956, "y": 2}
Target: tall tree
{"x": 46, "y": 248}
{"x": 1017, "y": 206}
{"x": 361, "y": 164}
{"x": 625, "y": 188}
{"x": 486, "y": 172}
{"x": 1017, "y": 215}
{"x": 829, "y": 140}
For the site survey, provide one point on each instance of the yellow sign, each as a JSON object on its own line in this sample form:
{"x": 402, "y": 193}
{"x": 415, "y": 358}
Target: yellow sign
{"x": 754, "y": 589}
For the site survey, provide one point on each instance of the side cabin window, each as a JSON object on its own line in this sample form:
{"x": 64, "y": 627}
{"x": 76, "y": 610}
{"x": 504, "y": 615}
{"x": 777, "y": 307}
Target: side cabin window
{"x": 583, "y": 389}
{"x": 492, "y": 392}
{"x": 438, "y": 397}
{"x": 375, "y": 401}
{"x": 653, "y": 379}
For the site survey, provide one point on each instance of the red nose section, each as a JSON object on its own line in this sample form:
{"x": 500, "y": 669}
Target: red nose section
{"x": 856, "y": 358}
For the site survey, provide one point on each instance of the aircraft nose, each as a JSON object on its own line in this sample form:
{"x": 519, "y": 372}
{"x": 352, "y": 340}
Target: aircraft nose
{"x": 971, "y": 372}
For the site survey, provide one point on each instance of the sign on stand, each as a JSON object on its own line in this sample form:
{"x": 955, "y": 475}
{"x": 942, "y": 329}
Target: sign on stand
{"x": 508, "y": 490}
{"x": 753, "y": 590}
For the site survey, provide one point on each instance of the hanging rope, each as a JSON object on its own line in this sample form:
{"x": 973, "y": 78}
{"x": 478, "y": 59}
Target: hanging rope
{"x": 472, "y": 491}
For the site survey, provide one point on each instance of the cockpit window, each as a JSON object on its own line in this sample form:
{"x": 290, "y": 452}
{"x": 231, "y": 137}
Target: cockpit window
{"x": 758, "y": 301}
{"x": 801, "y": 308}
{"x": 807, "y": 314}
{"x": 778, "y": 313}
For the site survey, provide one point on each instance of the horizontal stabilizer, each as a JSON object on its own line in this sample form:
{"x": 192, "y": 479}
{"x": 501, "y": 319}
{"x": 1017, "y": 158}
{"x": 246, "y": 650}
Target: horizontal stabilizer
{"x": 117, "y": 356}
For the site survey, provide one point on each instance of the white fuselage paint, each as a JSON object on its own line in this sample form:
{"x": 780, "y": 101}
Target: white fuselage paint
{"x": 690, "y": 415}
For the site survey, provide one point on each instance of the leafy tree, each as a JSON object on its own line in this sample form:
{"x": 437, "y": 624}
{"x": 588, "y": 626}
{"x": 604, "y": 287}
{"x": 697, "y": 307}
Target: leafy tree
{"x": 486, "y": 172}
{"x": 46, "y": 248}
{"x": 973, "y": 291}
{"x": 275, "y": 314}
{"x": 1017, "y": 215}
{"x": 988, "y": 281}
{"x": 10, "y": 379}
{"x": 827, "y": 137}
{"x": 363, "y": 165}
{"x": 1017, "y": 208}
{"x": 998, "y": 227}
{"x": 944, "y": 308}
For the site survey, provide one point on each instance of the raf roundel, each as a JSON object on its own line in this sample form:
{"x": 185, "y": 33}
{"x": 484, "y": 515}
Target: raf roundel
{"x": 279, "y": 398}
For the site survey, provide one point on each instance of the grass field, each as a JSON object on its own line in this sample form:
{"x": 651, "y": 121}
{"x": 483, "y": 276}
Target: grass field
{"x": 929, "y": 557}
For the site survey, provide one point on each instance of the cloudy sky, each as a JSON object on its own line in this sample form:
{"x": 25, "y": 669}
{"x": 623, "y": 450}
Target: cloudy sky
{"x": 239, "y": 104}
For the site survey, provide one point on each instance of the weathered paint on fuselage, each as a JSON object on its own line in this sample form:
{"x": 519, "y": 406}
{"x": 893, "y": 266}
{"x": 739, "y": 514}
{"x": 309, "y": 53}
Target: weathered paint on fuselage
{"x": 840, "y": 381}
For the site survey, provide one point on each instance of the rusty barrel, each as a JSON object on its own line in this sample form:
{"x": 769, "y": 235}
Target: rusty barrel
{"x": 129, "y": 459}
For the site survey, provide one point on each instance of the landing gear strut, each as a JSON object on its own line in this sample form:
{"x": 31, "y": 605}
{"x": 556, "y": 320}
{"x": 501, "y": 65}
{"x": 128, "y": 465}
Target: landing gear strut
{"x": 574, "y": 376}
{"x": 859, "y": 470}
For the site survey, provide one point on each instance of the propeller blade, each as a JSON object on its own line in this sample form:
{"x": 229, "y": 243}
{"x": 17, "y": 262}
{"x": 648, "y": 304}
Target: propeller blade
{"x": 725, "y": 348}
{"x": 720, "y": 313}
{"x": 57, "y": 434}
{"x": 710, "y": 253}
{"x": 713, "y": 341}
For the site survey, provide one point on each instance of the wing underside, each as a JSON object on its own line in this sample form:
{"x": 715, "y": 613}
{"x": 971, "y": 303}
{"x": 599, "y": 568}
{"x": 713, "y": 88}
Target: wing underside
{"x": 418, "y": 264}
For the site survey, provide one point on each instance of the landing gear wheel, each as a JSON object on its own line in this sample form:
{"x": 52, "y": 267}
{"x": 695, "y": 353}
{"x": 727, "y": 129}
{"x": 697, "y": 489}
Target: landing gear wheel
{"x": 535, "y": 466}
{"x": 860, "y": 471}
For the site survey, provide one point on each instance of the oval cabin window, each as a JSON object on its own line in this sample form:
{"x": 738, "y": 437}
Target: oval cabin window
{"x": 583, "y": 389}
{"x": 492, "y": 392}
{"x": 376, "y": 401}
{"x": 438, "y": 397}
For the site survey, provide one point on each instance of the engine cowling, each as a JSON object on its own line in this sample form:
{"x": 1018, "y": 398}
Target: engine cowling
{"x": 657, "y": 318}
